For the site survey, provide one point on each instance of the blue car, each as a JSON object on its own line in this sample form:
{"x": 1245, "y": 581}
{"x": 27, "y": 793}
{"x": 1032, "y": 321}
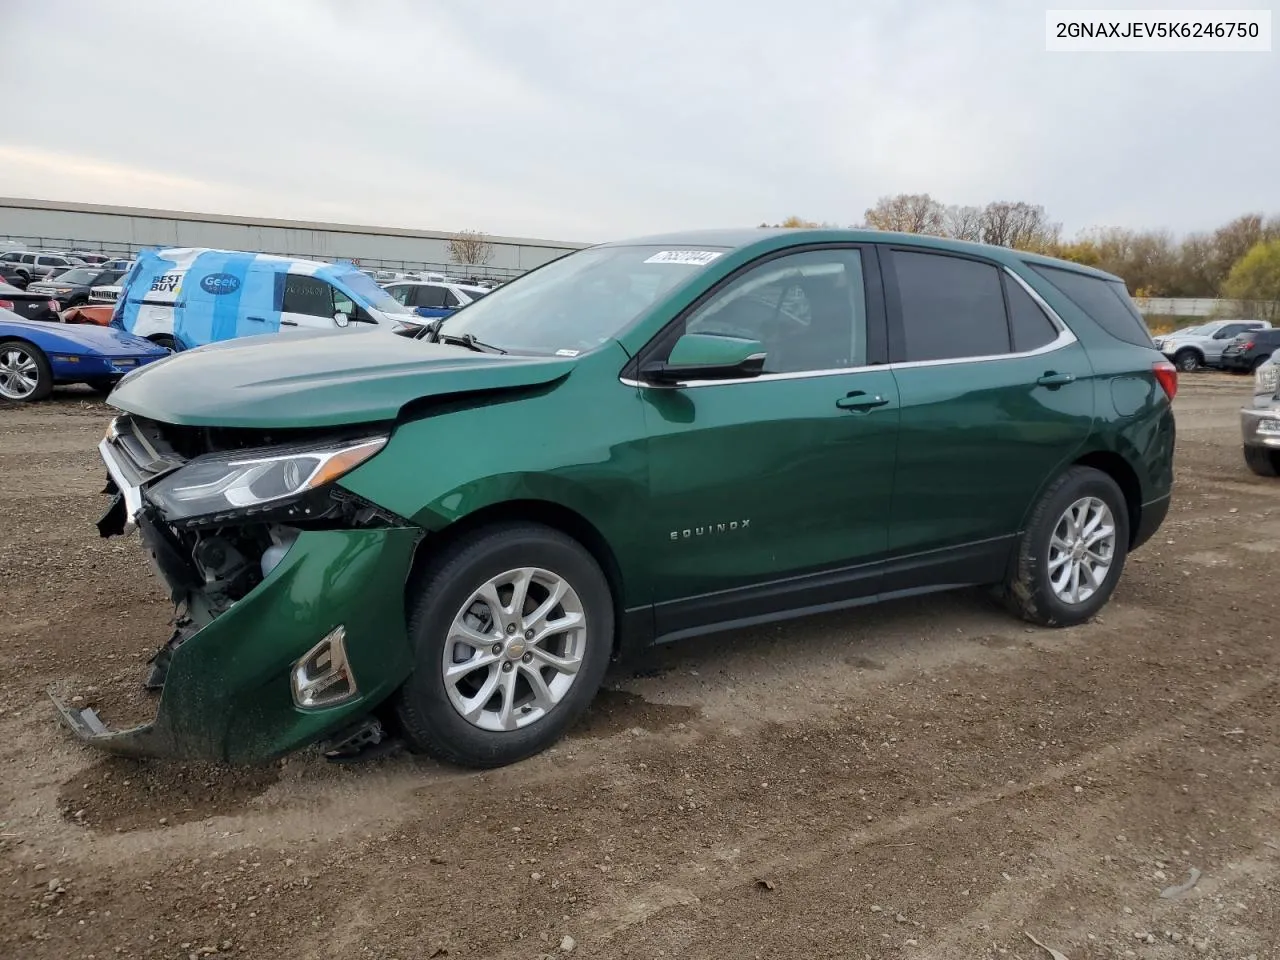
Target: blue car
{"x": 34, "y": 356}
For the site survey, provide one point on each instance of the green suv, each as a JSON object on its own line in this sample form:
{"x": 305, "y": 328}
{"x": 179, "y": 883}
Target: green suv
{"x": 444, "y": 538}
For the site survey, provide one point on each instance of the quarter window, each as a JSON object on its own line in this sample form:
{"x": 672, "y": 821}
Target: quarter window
{"x": 1032, "y": 328}
{"x": 809, "y": 310}
{"x": 951, "y": 307}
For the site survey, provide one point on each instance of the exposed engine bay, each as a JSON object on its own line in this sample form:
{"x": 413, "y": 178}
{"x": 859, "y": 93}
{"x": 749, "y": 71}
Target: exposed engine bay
{"x": 211, "y": 541}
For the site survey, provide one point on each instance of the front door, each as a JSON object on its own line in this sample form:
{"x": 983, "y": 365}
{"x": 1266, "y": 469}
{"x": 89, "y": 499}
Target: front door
{"x": 772, "y": 492}
{"x": 311, "y": 302}
{"x": 996, "y": 399}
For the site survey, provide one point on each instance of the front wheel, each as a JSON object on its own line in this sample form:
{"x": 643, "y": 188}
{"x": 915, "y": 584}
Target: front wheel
{"x": 25, "y": 374}
{"x": 1072, "y": 553}
{"x": 1263, "y": 461}
{"x": 512, "y": 629}
{"x": 102, "y": 385}
{"x": 1186, "y": 360}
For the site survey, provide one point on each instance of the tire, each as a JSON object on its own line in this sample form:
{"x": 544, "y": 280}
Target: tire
{"x": 430, "y": 708}
{"x": 1263, "y": 461}
{"x": 102, "y": 384}
{"x": 1187, "y": 360}
{"x": 166, "y": 341}
{"x": 1029, "y": 590}
{"x": 20, "y": 363}
{"x": 77, "y": 301}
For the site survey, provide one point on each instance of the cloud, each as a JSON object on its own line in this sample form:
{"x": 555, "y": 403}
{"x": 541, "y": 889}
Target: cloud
{"x": 592, "y": 121}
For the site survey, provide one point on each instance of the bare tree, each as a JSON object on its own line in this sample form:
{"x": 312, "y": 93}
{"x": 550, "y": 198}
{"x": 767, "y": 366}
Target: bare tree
{"x": 907, "y": 213}
{"x": 1018, "y": 224}
{"x": 471, "y": 247}
{"x": 962, "y": 222}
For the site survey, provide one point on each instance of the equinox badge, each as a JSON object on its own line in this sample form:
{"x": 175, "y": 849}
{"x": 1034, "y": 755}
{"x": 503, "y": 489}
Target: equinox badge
{"x": 688, "y": 533}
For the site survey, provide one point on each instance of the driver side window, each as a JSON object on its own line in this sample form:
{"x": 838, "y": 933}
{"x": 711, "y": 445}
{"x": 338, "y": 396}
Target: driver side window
{"x": 809, "y": 310}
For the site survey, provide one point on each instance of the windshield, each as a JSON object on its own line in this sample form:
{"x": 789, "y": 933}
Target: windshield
{"x": 78, "y": 275}
{"x": 359, "y": 284}
{"x": 576, "y": 303}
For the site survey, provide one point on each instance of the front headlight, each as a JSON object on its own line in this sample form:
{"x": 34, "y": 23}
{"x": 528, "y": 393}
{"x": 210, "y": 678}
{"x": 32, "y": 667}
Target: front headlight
{"x": 248, "y": 481}
{"x": 1266, "y": 379}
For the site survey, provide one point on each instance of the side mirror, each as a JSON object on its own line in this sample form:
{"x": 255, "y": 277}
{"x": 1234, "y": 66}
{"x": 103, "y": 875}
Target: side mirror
{"x": 704, "y": 356}
{"x": 341, "y": 319}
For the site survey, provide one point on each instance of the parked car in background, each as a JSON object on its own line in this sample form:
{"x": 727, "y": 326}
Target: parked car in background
{"x": 451, "y": 536}
{"x": 89, "y": 259}
{"x": 27, "y": 304}
{"x": 71, "y": 288}
{"x": 31, "y": 265}
{"x": 1248, "y": 351}
{"x": 434, "y": 298}
{"x": 1202, "y": 346}
{"x": 1260, "y": 422}
{"x": 14, "y": 275}
{"x": 34, "y": 357}
{"x": 187, "y": 297}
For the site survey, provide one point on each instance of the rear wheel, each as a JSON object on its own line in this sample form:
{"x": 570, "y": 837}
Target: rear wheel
{"x": 25, "y": 374}
{"x": 512, "y": 629}
{"x": 1072, "y": 553}
{"x": 1186, "y": 360}
{"x": 1263, "y": 461}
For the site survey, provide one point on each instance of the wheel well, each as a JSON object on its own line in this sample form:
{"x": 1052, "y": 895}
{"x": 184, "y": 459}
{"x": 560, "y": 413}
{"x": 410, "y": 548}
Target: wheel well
{"x": 1196, "y": 350}
{"x": 1118, "y": 469}
{"x": 568, "y": 522}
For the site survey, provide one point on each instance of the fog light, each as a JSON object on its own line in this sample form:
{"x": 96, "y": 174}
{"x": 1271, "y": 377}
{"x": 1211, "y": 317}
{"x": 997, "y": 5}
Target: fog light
{"x": 322, "y": 677}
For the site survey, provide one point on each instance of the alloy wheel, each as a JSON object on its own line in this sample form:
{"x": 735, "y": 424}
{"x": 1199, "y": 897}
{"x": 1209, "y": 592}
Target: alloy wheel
{"x": 514, "y": 649}
{"x": 1082, "y": 550}
{"x": 19, "y": 374}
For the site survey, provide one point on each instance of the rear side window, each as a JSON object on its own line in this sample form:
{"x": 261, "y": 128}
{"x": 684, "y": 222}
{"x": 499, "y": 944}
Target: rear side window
{"x": 1106, "y": 302}
{"x": 430, "y": 296}
{"x": 1032, "y": 329}
{"x": 951, "y": 307}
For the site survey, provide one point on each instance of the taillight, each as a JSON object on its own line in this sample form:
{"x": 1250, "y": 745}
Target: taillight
{"x": 1167, "y": 374}
{"x": 6, "y": 304}
{"x": 1247, "y": 345}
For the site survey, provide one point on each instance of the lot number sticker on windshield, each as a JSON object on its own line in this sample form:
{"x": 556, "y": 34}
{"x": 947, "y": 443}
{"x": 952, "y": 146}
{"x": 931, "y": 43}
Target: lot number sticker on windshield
{"x": 695, "y": 258}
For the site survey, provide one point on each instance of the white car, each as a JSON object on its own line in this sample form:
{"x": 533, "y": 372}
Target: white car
{"x": 1202, "y": 346}
{"x": 434, "y": 298}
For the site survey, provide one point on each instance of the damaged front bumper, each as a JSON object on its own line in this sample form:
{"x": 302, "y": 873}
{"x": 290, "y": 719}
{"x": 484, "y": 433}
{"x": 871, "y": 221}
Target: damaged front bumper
{"x": 227, "y": 694}
{"x": 244, "y": 678}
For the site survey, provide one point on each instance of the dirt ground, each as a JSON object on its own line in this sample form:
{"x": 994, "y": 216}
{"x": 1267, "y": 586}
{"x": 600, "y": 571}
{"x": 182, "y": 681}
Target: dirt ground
{"x": 923, "y": 779}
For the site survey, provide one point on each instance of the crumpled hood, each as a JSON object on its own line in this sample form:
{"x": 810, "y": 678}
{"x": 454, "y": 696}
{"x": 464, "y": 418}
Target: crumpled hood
{"x": 317, "y": 378}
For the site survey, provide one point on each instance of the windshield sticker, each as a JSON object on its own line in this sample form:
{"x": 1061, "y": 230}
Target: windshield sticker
{"x": 694, "y": 258}
{"x": 567, "y": 353}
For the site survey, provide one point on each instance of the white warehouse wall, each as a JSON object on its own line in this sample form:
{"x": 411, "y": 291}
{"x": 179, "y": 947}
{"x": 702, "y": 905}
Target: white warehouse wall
{"x": 65, "y": 226}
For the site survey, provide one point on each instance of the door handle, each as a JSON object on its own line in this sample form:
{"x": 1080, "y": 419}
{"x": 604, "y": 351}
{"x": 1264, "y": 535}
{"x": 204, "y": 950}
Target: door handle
{"x": 258, "y": 319}
{"x": 860, "y": 400}
{"x": 1051, "y": 379}
{"x": 288, "y": 323}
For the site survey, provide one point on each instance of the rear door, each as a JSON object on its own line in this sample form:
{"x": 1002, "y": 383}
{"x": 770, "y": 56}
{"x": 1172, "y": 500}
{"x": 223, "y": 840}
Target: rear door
{"x": 996, "y": 396}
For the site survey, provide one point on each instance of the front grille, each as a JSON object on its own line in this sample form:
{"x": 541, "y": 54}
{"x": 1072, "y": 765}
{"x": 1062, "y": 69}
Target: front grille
{"x": 100, "y": 295}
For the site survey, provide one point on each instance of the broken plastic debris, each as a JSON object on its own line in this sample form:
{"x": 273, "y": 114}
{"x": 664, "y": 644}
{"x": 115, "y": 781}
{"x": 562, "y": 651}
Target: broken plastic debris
{"x": 1174, "y": 892}
{"x": 1056, "y": 954}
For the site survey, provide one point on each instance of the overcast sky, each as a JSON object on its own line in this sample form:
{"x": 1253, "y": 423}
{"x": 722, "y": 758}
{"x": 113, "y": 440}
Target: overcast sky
{"x": 595, "y": 119}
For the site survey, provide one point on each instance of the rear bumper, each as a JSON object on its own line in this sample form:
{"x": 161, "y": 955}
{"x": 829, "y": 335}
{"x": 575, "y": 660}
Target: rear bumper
{"x": 1149, "y": 521}
{"x": 227, "y": 694}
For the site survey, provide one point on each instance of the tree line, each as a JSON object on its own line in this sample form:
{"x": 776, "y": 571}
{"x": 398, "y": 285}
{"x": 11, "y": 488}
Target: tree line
{"x": 1240, "y": 260}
